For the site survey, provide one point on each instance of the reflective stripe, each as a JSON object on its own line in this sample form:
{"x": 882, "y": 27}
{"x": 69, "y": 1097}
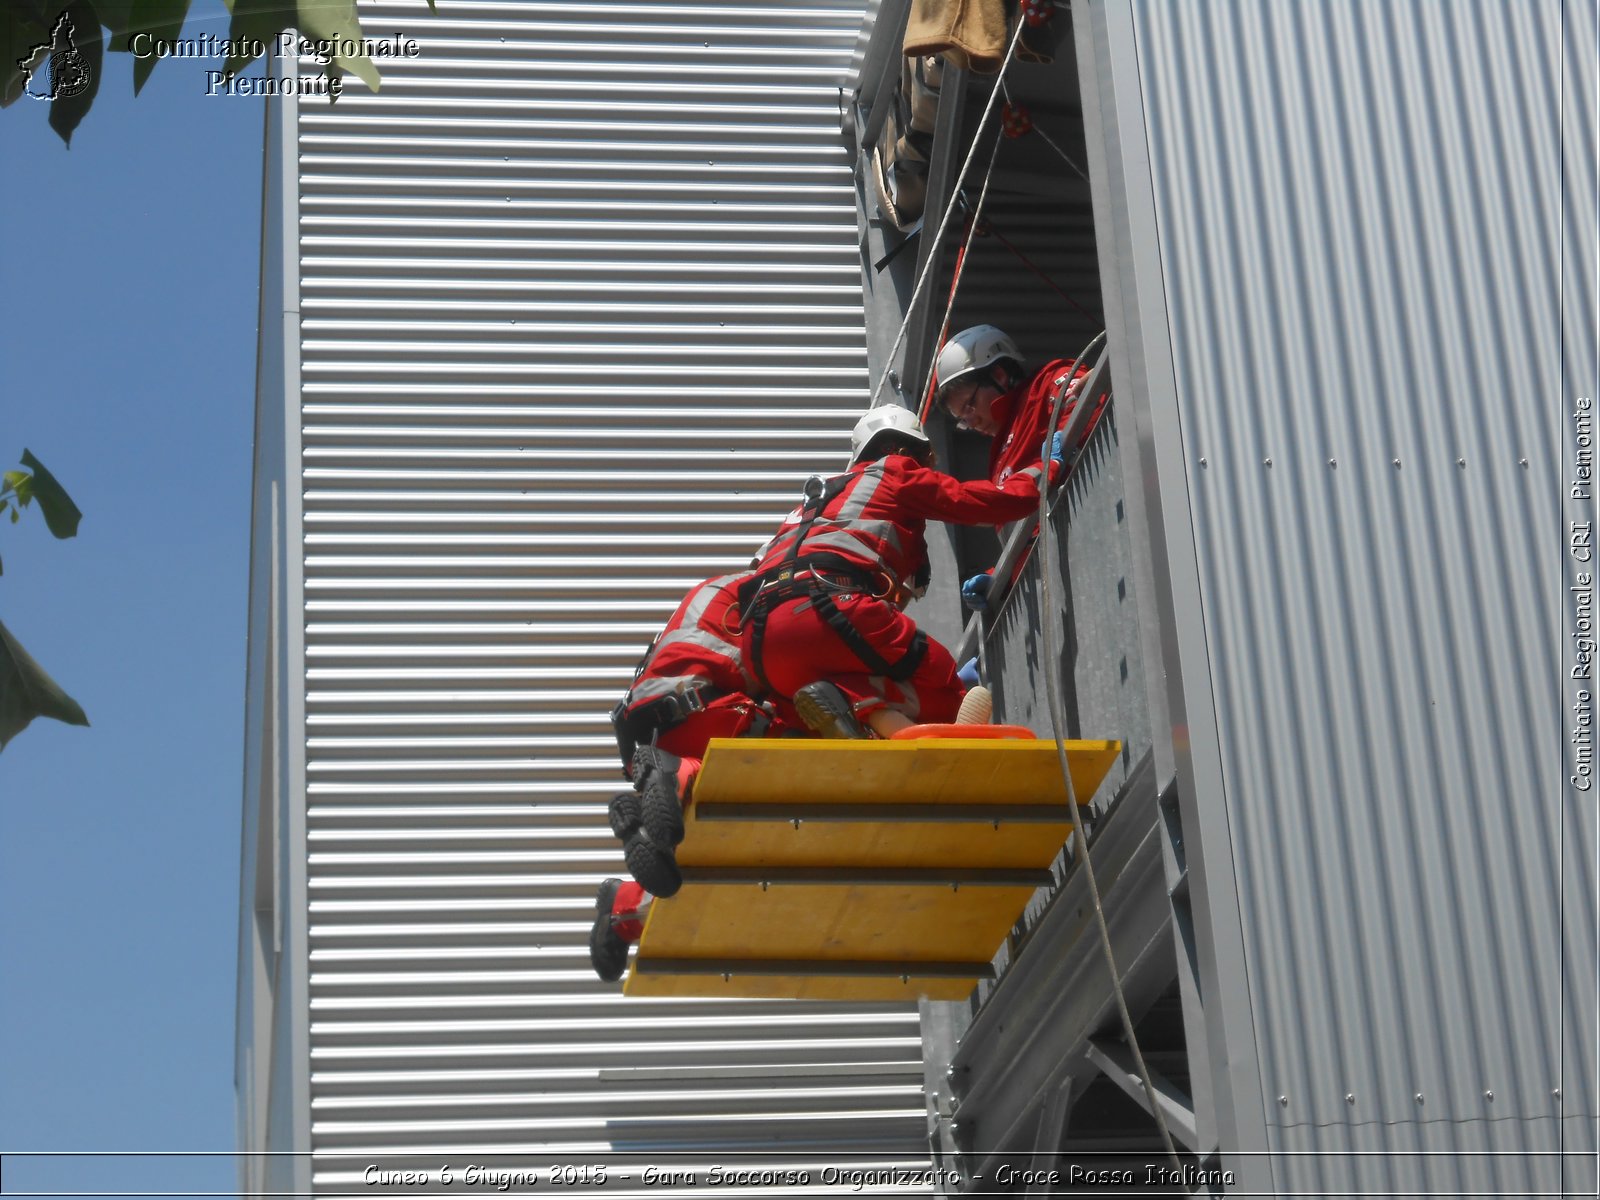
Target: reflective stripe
{"x": 698, "y": 637}
{"x": 702, "y": 597}
{"x": 860, "y": 493}
{"x": 663, "y": 685}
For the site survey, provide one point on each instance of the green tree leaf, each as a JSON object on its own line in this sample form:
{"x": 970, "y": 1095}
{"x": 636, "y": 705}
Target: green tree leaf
{"x": 258, "y": 21}
{"x": 20, "y": 30}
{"x": 158, "y": 18}
{"x": 27, "y": 691}
{"x": 60, "y": 513}
{"x": 326, "y": 20}
{"x": 15, "y": 481}
{"x": 115, "y": 15}
{"x": 72, "y": 105}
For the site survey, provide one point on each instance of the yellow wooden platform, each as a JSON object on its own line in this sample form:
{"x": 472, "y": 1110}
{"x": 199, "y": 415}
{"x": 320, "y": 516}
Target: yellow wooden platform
{"x": 846, "y": 870}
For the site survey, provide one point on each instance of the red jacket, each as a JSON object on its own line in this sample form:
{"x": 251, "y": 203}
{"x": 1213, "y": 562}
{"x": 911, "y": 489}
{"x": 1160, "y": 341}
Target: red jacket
{"x": 877, "y": 518}
{"x": 1023, "y": 413}
{"x": 700, "y": 644}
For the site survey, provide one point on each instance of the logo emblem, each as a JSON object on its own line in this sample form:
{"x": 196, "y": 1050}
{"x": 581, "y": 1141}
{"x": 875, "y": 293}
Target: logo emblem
{"x": 69, "y": 73}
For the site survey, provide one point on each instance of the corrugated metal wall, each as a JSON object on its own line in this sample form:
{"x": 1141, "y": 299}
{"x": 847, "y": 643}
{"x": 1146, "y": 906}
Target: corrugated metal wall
{"x": 581, "y": 308}
{"x": 1359, "y": 214}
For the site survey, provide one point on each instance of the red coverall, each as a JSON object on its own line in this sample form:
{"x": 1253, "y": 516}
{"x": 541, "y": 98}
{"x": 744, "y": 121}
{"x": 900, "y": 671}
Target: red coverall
{"x": 1024, "y": 411}
{"x": 698, "y": 647}
{"x": 875, "y": 526}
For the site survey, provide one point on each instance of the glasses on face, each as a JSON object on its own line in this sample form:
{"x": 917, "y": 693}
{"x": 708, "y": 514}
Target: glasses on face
{"x": 962, "y": 404}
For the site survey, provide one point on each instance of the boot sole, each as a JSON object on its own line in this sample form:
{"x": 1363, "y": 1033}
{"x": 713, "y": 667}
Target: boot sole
{"x": 825, "y": 718}
{"x": 653, "y": 865}
{"x": 660, "y": 813}
{"x": 623, "y": 814}
{"x": 608, "y": 953}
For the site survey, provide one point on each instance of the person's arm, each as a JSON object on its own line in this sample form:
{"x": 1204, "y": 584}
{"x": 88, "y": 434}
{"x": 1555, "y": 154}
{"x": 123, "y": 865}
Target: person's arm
{"x": 933, "y": 495}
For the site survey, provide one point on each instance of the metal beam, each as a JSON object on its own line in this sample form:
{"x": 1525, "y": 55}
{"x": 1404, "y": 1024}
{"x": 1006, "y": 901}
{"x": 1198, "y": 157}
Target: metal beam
{"x": 1055, "y": 995}
{"x": 878, "y": 83}
{"x": 1117, "y": 1064}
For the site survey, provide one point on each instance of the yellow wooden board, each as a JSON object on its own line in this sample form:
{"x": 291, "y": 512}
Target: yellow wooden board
{"x": 921, "y": 770}
{"x": 728, "y": 938}
{"x": 800, "y": 987}
{"x": 947, "y": 771}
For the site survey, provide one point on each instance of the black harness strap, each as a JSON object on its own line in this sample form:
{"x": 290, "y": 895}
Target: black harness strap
{"x": 647, "y": 721}
{"x": 823, "y": 574}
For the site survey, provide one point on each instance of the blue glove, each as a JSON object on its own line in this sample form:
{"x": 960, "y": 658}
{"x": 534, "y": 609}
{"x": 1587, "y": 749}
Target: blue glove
{"x": 975, "y": 592}
{"x": 1058, "y": 446}
{"x": 968, "y": 674}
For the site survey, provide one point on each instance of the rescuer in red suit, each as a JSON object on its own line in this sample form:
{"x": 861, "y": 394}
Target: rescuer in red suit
{"x": 691, "y": 687}
{"x": 981, "y": 383}
{"x": 823, "y": 620}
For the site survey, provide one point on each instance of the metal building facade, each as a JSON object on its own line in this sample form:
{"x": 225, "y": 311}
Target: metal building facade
{"x": 569, "y": 310}
{"x": 1349, "y": 285}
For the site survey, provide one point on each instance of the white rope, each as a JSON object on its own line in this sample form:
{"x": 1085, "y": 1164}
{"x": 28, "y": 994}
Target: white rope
{"x": 1035, "y": 127}
{"x": 944, "y": 222}
{"x": 961, "y": 264}
{"x": 1053, "y": 694}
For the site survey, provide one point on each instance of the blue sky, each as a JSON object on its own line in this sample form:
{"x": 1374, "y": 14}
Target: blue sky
{"x": 131, "y": 263}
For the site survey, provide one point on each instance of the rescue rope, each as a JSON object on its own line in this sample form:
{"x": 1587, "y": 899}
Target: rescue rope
{"x": 1053, "y": 695}
{"x": 973, "y": 222}
{"x": 1034, "y": 127}
{"x": 1048, "y": 282}
{"x": 944, "y": 220}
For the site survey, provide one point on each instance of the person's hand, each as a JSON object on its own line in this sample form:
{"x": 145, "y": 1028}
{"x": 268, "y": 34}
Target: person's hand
{"x": 1058, "y": 448}
{"x": 968, "y": 674}
{"x": 975, "y": 592}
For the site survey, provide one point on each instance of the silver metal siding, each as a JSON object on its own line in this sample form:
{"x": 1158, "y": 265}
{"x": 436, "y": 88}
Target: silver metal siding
{"x": 1359, "y": 217}
{"x": 581, "y": 308}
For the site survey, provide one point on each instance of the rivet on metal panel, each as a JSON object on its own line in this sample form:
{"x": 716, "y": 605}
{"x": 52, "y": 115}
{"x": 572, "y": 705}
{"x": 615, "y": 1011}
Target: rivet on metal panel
{"x": 1333, "y": 462}
{"x": 1461, "y": 462}
{"x": 1523, "y": 461}
{"x": 1349, "y": 1097}
{"x": 1283, "y": 1100}
{"x": 1202, "y": 462}
{"x": 1397, "y": 463}
{"x": 1419, "y": 1097}
{"x": 1556, "y": 1092}
{"x": 1489, "y": 1096}
{"x": 1266, "y": 462}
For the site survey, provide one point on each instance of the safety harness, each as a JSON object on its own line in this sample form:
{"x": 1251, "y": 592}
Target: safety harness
{"x": 648, "y": 721}
{"x": 819, "y": 577}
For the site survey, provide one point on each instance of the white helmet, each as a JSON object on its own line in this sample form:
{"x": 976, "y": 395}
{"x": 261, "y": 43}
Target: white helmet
{"x": 885, "y": 419}
{"x": 974, "y": 349}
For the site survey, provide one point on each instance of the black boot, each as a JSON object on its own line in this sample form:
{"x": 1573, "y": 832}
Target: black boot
{"x": 663, "y": 781}
{"x": 608, "y": 953}
{"x": 826, "y": 711}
